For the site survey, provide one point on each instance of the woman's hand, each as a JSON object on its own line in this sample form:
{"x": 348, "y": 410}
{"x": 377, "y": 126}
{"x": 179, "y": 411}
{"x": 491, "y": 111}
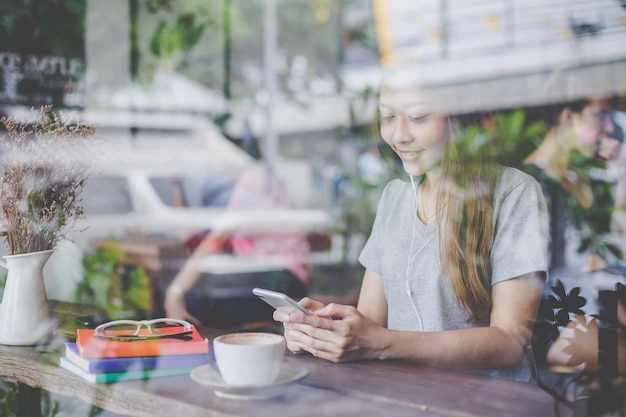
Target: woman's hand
{"x": 285, "y": 317}
{"x": 335, "y": 332}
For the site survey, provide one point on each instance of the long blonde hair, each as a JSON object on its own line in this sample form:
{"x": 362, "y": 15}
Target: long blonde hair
{"x": 467, "y": 194}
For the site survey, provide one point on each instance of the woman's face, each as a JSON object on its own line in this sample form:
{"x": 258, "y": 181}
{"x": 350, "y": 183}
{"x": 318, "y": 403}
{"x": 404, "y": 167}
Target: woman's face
{"x": 412, "y": 127}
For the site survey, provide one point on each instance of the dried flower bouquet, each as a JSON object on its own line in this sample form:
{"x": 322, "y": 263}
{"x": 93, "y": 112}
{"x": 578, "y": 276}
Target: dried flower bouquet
{"x": 46, "y": 165}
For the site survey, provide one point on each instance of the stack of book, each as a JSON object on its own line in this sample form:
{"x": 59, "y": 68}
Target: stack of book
{"x": 102, "y": 361}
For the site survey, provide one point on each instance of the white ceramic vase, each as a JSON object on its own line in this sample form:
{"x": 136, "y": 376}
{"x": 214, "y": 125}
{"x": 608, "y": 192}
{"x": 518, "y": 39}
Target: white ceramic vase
{"x": 24, "y": 314}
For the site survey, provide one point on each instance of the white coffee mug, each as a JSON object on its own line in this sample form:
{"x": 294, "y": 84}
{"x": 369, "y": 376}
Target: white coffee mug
{"x": 249, "y": 358}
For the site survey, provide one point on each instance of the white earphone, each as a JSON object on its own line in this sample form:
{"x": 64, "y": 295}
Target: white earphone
{"x": 412, "y": 255}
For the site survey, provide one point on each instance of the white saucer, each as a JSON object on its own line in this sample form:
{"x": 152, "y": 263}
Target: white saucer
{"x": 209, "y": 376}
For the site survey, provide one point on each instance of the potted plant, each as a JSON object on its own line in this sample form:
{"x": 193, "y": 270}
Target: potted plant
{"x": 45, "y": 167}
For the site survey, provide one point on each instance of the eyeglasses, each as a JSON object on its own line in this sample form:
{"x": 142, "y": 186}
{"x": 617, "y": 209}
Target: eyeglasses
{"x": 130, "y": 330}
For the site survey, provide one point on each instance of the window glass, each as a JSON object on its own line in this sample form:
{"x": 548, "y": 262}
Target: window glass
{"x": 104, "y": 195}
{"x": 192, "y": 94}
{"x": 193, "y": 191}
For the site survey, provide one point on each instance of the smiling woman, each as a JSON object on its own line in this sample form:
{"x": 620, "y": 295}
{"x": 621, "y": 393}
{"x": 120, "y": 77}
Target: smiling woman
{"x": 400, "y": 121}
{"x": 445, "y": 284}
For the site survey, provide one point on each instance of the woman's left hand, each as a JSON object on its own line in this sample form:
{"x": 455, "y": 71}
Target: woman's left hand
{"x": 336, "y": 333}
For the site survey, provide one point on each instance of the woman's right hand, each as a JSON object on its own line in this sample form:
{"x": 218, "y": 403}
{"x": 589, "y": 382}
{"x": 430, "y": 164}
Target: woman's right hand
{"x": 283, "y": 317}
{"x": 176, "y": 307}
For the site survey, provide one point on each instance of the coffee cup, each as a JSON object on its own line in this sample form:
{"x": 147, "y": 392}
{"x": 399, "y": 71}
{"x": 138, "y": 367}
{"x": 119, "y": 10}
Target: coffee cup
{"x": 249, "y": 359}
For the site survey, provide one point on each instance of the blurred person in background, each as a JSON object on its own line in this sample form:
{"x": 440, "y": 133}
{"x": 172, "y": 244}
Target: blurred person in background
{"x": 619, "y": 168}
{"x": 585, "y": 128}
{"x": 257, "y": 188}
{"x": 575, "y": 154}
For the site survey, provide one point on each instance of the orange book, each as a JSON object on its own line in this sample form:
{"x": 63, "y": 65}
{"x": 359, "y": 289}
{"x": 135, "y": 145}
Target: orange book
{"x": 90, "y": 346}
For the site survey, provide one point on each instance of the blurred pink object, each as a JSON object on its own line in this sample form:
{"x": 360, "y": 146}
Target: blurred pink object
{"x": 258, "y": 188}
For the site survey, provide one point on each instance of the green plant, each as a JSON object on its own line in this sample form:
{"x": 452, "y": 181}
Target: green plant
{"x": 110, "y": 284}
{"x": 517, "y": 135}
{"x": 358, "y": 190}
{"x": 9, "y": 402}
{"x": 593, "y": 222}
{"x": 8, "y": 399}
{"x": 560, "y": 307}
{"x": 173, "y": 42}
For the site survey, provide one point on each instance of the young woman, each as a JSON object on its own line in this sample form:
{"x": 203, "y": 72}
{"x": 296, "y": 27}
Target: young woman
{"x": 456, "y": 261}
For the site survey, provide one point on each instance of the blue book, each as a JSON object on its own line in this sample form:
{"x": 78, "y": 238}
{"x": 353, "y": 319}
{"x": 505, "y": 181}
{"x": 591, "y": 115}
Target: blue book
{"x": 105, "y": 378}
{"x": 136, "y": 363}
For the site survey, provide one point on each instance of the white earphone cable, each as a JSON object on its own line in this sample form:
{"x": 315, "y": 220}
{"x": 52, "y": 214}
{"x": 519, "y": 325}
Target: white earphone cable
{"x": 412, "y": 255}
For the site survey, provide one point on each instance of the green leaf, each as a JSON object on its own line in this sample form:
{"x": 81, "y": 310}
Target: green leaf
{"x": 559, "y": 290}
{"x": 574, "y": 303}
{"x": 156, "y": 39}
{"x": 553, "y": 302}
{"x": 615, "y": 250}
{"x": 189, "y": 32}
{"x": 535, "y": 129}
{"x": 584, "y": 245}
{"x": 562, "y": 318}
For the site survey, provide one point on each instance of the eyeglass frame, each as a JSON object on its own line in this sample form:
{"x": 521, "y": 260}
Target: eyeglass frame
{"x": 99, "y": 331}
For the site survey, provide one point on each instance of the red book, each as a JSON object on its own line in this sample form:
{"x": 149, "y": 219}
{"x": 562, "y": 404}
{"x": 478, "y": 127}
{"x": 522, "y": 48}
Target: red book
{"x": 90, "y": 346}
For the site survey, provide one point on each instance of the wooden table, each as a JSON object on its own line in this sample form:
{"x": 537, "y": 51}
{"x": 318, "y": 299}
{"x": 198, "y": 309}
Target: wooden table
{"x": 368, "y": 388}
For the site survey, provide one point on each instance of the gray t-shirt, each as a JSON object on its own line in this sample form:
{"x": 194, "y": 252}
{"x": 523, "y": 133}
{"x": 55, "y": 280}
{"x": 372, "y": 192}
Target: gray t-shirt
{"x": 519, "y": 247}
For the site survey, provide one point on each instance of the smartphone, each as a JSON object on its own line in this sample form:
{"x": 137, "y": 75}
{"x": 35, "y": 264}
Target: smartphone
{"x": 279, "y": 300}
{"x": 94, "y": 320}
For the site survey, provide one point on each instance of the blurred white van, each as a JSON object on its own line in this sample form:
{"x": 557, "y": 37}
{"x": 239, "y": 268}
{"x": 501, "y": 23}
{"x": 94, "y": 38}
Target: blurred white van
{"x": 172, "y": 183}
